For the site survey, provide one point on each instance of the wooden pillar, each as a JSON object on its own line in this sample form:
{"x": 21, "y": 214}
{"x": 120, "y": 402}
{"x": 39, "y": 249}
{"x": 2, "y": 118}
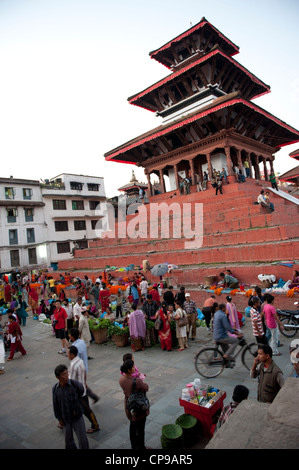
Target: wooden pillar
{"x": 239, "y": 159}
{"x": 209, "y": 166}
{"x": 265, "y": 169}
{"x": 271, "y": 165}
{"x": 162, "y": 184}
{"x": 257, "y": 171}
{"x": 199, "y": 169}
{"x": 176, "y": 176}
{"x": 250, "y": 164}
{"x": 191, "y": 162}
{"x": 149, "y": 184}
{"x": 229, "y": 162}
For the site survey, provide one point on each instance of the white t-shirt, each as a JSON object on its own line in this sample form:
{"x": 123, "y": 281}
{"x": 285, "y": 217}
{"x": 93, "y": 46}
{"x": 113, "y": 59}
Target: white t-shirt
{"x": 143, "y": 287}
{"x": 77, "y": 310}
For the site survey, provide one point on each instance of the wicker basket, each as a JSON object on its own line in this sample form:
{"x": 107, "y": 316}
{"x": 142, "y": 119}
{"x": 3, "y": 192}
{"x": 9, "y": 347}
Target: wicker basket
{"x": 100, "y": 335}
{"x": 120, "y": 340}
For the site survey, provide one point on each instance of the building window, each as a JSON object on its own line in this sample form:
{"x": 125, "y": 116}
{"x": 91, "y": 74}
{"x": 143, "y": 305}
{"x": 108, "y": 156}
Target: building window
{"x": 63, "y": 247}
{"x": 93, "y": 187}
{"x": 96, "y": 224}
{"x": 59, "y": 204}
{"x": 77, "y": 205}
{"x": 14, "y": 258}
{"x": 30, "y": 235}
{"x": 79, "y": 225}
{"x": 12, "y": 215}
{"x": 75, "y": 185}
{"x": 27, "y": 193}
{"x": 61, "y": 226}
{"x": 93, "y": 205}
{"x": 10, "y": 193}
{"x": 28, "y": 215}
{"x": 32, "y": 258}
{"x": 13, "y": 237}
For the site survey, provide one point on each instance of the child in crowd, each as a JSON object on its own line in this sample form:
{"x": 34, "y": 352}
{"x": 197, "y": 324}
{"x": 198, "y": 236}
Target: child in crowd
{"x": 137, "y": 374}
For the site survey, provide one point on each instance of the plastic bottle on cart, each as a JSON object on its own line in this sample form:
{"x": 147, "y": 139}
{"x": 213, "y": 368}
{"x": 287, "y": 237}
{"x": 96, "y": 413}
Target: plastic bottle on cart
{"x": 185, "y": 394}
{"x": 197, "y": 385}
{"x": 191, "y": 390}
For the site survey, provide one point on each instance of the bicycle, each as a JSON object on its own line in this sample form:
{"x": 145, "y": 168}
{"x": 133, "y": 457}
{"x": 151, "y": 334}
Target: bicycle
{"x": 209, "y": 362}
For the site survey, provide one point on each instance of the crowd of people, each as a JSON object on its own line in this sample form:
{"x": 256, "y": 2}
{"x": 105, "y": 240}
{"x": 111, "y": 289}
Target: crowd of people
{"x": 138, "y": 303}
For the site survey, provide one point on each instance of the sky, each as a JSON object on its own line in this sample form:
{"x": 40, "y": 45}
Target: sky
{"x": 68, "y": 67}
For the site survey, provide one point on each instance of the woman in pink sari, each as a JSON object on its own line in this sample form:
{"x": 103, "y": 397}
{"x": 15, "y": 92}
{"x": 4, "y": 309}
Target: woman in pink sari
{"x": 231, "y": 312}
{"x": 33, "y": 300}
{"x": 137, "y": 328}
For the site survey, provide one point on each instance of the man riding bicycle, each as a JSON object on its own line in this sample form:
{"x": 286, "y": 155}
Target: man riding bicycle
{"x": 221, "y": 328}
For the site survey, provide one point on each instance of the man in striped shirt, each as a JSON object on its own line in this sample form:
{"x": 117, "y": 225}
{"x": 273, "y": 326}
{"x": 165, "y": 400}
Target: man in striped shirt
{"x": 240, "y": 393}
{"x": 77, "y": 372}
{"x": 256, "y": 322}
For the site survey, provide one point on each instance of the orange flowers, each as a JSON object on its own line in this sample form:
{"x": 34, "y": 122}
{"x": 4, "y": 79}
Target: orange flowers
{"x": 218, "y": 290}
{"x": 248, "y": 293}
{"x": 233, "y": 292}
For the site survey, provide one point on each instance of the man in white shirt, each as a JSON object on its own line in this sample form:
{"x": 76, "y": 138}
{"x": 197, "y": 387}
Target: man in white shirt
{"x": 77, "y": 310}
{"x": 262, "y": 201}
{"x": 144, "y": 287}
{"x": 77, "y": 372}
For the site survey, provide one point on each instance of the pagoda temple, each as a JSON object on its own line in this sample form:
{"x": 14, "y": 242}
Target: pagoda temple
{"x": 131, "y": 189}
{"x": 208, "y": 118}
{"x": 208, "y": 122}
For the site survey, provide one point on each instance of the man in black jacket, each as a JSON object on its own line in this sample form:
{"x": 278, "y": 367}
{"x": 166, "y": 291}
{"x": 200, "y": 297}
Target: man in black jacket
{"x": 68, "y": 409}
{"x": 168, "y": 296}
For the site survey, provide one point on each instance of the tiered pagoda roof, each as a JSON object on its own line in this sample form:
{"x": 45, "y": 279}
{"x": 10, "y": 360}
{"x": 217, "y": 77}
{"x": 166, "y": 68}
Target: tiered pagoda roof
{"x": 207, "y": 95}
{"x": 198, "y": 39}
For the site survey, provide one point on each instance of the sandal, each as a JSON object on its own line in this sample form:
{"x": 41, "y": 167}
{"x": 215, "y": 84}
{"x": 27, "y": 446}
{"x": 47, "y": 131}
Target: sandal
{"x": 91, "y": 430}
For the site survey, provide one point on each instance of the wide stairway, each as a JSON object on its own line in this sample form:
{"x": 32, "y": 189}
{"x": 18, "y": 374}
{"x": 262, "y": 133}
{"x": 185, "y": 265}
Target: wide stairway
{"x": 236, "y": 234}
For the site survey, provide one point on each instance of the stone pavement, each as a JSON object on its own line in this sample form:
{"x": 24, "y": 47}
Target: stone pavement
{"x": 26, "y": 413}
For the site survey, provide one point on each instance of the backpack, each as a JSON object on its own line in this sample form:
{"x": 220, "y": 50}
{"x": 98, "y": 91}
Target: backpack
{"x": 137, "y": 401}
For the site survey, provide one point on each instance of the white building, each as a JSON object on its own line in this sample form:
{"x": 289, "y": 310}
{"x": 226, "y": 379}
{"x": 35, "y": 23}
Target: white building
{"x": 39, "y": 223}
{"x": 23, "y": 229}
{"x": 72, "y": 212}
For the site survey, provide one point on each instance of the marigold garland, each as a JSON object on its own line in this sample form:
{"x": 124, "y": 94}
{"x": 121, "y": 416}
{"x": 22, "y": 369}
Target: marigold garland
{"x": 218, "y": 291}
{"x": 248, "y": 293}
{"x": 290, "y": 293}
{"x": 233, "y": 292}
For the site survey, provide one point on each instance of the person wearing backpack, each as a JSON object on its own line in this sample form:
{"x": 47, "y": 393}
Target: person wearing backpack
{"x": 137, "y": 418}
{"x": 181, "y": 325}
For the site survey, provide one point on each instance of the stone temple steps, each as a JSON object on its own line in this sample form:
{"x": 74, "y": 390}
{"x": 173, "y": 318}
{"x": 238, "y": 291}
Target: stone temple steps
{"x": 236, "y": 231}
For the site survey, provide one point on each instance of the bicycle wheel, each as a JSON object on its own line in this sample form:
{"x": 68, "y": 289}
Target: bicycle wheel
{"x": 209, "y": 362}
{"x": 248, "y": 355}
{"x": 288, "y": 331}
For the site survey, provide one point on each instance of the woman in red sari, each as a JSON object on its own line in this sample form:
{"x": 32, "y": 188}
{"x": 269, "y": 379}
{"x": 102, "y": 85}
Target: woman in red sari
{"x": 33, "y": 300}
{"x": 7, "y": 292}
{"x": 104, "y": 297}
{"x": 165, "y": 333}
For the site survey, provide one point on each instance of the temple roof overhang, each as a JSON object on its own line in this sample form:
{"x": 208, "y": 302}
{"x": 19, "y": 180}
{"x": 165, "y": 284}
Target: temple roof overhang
{"x": 203, "y": 36}
{"x": 295, "y": 154}
{"x": 216, "y": 67}
{"x": 291, "y": 176}
{"x": 228, "y": 112}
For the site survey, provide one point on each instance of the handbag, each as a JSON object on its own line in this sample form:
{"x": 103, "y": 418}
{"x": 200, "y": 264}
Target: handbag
{"x": 158, "y": 324}
{"x": 183, "y": 321}
{"x": 137, "y": 401}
